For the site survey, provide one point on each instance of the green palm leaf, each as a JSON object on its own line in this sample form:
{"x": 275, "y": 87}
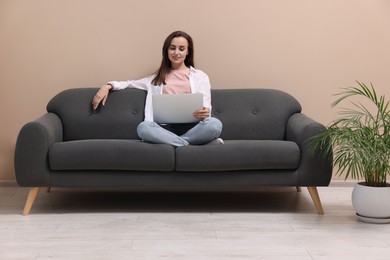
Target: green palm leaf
{"x": 359, "y": 140}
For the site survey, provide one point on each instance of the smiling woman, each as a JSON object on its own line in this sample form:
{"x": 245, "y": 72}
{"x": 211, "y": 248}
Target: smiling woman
{"x": 176, "y": 75}
{"x": 177, "y": 52}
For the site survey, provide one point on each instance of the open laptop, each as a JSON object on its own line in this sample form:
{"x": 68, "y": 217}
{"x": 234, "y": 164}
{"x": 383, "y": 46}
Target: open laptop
{"x": 176, "y": 108}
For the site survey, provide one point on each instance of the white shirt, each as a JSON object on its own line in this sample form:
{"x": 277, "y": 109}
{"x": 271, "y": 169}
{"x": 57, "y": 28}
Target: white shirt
{"x": 199, "y": 83}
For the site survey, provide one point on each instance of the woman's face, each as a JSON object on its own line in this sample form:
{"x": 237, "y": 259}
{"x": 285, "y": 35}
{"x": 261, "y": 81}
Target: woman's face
{"x": 177, "y": 52}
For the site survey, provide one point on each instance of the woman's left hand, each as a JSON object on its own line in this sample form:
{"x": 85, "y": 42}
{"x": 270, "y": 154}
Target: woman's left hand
{"x": 202, "y": 113}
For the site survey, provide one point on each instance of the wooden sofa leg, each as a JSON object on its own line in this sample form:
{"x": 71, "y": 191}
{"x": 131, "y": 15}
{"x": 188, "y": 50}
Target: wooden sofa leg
{"x": 299, "y": 189}
{"x": 316, "y": 199}
{"x": 48, "y": 189}
{"x": 32, "y": 195}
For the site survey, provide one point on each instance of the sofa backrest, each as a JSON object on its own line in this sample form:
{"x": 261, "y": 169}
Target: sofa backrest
{"x": 255, "y": 114}
{"x": 119, "y": 118}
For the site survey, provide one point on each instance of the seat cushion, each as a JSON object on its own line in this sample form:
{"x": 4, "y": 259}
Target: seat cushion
{"x": 239, "y": 155}
{"x": 111, "y": 154}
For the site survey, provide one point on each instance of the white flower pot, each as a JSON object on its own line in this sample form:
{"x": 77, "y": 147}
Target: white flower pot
{"x": 372, "y": 204}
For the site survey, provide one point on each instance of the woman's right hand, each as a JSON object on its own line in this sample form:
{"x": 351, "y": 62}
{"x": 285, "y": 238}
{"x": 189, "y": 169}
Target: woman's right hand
{"x": 101, "y": 96}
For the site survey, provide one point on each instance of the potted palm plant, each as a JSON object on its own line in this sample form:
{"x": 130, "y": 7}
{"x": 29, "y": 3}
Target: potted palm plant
{"x": 360, "y": 144}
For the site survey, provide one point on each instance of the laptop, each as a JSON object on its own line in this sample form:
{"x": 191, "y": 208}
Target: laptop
{"x": 176, "y": 108}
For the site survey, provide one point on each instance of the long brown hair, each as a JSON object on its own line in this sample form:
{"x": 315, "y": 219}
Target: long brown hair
{"x": 165, "y": 66}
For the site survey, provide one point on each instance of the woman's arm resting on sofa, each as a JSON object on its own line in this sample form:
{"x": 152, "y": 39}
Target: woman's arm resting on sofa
{"x": 101, "y": 96}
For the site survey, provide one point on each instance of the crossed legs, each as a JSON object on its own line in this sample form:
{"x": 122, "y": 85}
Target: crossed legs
{"x": 205, "y": 131}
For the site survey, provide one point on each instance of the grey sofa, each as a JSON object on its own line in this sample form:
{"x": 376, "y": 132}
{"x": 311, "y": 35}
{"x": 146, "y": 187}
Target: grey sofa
{"x": 264, "y": 131}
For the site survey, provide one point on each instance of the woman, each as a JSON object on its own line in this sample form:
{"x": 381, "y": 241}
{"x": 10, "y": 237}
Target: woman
{"x": 176, "y": 75}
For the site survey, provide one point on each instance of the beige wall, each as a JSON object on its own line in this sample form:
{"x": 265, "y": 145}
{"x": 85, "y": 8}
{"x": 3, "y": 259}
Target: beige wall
{"x": 307, "y": 48}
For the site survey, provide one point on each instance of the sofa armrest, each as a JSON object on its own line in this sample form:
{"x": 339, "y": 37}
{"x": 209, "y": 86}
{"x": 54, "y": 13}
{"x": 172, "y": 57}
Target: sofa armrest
{"x": 314, "y": 169}
{"x": 31, "y": 151}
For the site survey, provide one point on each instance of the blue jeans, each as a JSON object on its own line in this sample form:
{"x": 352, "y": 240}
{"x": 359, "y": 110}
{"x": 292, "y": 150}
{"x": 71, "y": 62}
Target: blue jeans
{"x": 205, "y": 131}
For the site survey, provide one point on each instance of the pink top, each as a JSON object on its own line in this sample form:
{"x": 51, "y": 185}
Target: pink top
{"x": 178, "y": 82}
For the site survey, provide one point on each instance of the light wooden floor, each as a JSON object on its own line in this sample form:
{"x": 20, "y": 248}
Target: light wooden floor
{"x": 268, "y": 224}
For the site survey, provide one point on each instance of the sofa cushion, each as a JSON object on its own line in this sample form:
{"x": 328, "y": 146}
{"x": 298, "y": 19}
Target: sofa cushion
{"x": 118, "y": 119}
{"x": 239, "y": 155}
{"x": 131, "y": 155}
{"x": 253, "y": 114}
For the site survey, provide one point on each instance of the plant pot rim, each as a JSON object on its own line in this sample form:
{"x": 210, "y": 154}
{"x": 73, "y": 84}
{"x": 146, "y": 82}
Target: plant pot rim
{"x": 363, "y": 183}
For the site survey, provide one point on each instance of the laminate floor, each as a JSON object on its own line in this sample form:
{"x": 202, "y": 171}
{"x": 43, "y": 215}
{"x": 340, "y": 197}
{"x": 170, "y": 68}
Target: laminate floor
{"x": 277, "y": 223}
